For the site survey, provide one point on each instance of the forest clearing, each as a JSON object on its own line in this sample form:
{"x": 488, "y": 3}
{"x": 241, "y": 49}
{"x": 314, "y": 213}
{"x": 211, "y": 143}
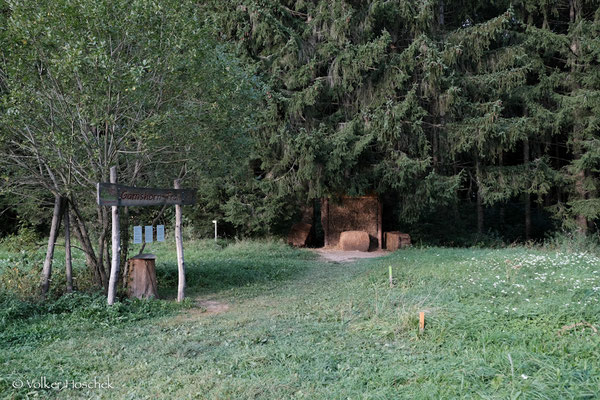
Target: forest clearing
{"x": 500, "y": 323}
{"x": 273, "y": 199}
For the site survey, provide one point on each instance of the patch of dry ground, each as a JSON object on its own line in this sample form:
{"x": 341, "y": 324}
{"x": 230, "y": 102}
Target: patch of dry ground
{"x": 204, "y": 308}
{"x": 335, "y": 255}
{"x": 213, "y": 307}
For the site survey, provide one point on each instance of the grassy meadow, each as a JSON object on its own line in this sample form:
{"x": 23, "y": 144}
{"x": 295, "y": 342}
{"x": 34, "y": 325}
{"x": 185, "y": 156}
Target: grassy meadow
{"x": 499, "y": 324}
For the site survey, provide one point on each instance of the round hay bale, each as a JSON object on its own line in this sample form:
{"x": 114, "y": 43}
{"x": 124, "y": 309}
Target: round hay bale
{"x": 354, "y": 241}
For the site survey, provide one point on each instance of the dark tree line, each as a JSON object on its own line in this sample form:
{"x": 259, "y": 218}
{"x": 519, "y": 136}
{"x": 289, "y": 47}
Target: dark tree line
{"x": 485, "y": 112}
{"x": 435, "y": 105}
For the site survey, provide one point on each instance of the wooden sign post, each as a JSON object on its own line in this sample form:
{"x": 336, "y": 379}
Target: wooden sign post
{"x": 115, "y": 195}
{"x": 179, "y": 245}
{"x": 116, "y": 245}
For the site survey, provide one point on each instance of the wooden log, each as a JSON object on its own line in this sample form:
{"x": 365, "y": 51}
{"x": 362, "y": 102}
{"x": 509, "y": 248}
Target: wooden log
{"x": 116, "y": 244}
{"x": 68, "y": 258}
{"x": 355, "y": 241}
{"x": 179, "y": 246}
{"x": 47, "y": 270}
{"x": 141, "y": 277}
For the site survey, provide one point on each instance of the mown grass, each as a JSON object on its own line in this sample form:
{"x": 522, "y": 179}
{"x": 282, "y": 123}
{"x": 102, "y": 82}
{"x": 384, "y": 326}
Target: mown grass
{"x": 298, "y": 327}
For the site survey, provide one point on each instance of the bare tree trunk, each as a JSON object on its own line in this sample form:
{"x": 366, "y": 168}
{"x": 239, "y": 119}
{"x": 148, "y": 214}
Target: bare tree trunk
{"x": 116, "y": 244}
{"x": 47, "y": 270}
{"x": 325, "y": 220}
{"x": 179, "y": 245}
{"x": 527, "y": 195}
{"x": 502, "y": 207}
{"x": 435, "y": 148}
{"x": 106, "y": 263}
{"x": 580, "y": 220}
{"x": 68, "y": 259}
{"x": 380, "y": 223}
{"x": 455, "y": 204}
{"x": 125, "y": 241}
{"x": 83, "y": 237}
{"x": 480, "y": 215}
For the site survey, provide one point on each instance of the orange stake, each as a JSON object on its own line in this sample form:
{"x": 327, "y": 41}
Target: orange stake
{"x": 421, "y": 322}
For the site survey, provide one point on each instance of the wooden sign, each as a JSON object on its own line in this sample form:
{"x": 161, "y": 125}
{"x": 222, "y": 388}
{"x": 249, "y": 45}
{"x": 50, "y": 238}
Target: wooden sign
{"x": 111, "y": 194}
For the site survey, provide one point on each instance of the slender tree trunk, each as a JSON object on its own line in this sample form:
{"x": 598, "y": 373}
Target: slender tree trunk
{"x": 502, "y": 183}
{"x": 325, "y": 221}
{"x": 527, "y": 195}
{"x": 106, "y": 264}
{"x": 68, "y": 259}
{"x": 435, "y": 148}
{"x": 580, "y": 220}
{"x": 179, "y": 245}
{"x": 82, "y": 235}
{"x": 455, "y": 210}
{"x": 47, "y": 270}
{"x": 557, "y": 166}
{"x": 125, "y": 241}
{"x": 480, "y": 215}
{"x": 116, "y": 243}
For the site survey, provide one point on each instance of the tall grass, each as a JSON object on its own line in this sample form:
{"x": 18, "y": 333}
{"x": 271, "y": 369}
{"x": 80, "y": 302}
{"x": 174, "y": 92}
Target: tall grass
{"x": 500, "y": 323}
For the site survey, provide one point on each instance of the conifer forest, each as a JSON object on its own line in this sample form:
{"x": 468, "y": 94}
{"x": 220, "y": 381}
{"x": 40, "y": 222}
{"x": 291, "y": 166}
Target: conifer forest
{"x": 471, "y": 120}
{"x": 299, "y": 199}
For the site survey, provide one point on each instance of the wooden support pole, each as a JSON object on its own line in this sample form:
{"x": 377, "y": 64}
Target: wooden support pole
{"x": 380, "y": 223}
{"x": 68, "y": 258}
{"x": 47, "y": 270}
{"x": 325, "y": 220}
{"x": 179, "y": 245}
{"x": 116, "y": 244}
{"x": 421, "y": 322}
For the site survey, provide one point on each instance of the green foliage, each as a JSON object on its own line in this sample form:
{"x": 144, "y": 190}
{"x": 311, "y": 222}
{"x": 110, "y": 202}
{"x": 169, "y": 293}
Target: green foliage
{"x": 573, "y": 242}
{"x": 144, "y": 86}
{"x": 27, "y": 238}
{"x": 422, "y": 104}
{"x": 267, "y": 105}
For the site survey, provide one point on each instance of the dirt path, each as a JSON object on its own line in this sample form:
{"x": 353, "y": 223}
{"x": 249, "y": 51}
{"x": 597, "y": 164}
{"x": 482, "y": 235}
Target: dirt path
{"x": 333, "y": 255}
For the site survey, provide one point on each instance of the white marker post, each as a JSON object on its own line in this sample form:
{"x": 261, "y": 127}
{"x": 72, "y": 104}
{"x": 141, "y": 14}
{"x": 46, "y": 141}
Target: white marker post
{"x": 215, "y": 222}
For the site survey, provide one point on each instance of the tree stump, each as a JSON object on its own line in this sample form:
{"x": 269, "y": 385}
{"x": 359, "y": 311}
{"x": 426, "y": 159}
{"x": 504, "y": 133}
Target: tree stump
{"x": 141, "y": 282}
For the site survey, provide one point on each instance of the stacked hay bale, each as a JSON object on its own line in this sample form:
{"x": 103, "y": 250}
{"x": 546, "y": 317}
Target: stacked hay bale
{"x": 299, "y": 234}
{"x": 354, "y": 241}
{"x": 396, "y": 240}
